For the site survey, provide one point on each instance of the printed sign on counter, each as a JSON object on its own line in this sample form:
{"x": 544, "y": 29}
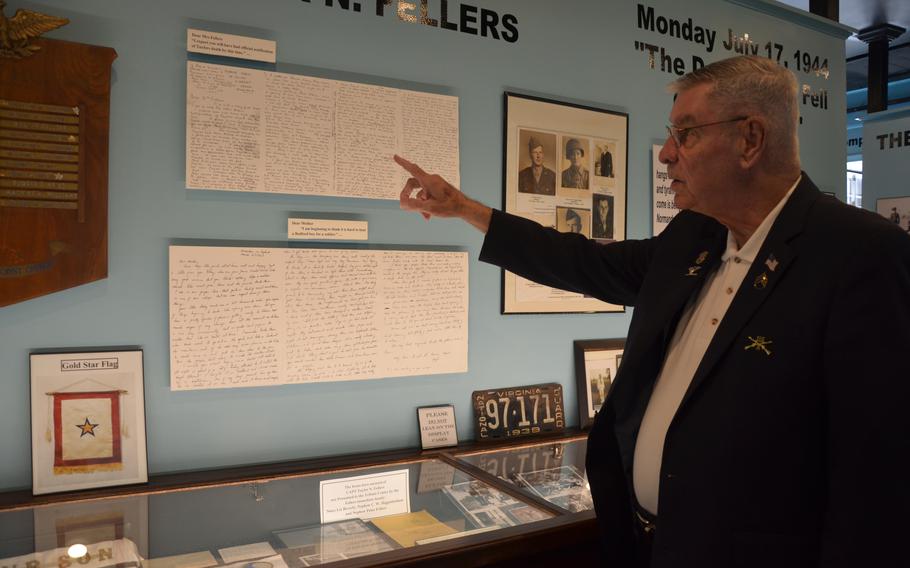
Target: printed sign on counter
{"x": 364, "y": 496}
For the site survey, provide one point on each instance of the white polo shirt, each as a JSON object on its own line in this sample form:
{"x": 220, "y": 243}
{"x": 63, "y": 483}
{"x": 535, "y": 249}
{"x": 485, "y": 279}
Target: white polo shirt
{"x": 693, "y": 334}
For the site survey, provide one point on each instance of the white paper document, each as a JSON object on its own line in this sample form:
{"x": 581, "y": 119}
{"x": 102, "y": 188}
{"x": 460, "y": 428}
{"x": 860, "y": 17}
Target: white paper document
{"x": 364, "y": 496}
{"x": 246, "y": 552}
{"x": 662, "y": 201}
{"x": 245, "y": 317}
{"x": 262, "y": 131}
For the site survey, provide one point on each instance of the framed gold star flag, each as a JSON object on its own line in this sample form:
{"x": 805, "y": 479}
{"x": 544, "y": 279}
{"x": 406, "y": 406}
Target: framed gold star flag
{"x": 88, "y": 420}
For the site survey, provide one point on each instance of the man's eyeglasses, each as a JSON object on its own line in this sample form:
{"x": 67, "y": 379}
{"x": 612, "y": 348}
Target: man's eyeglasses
{"x": 679, "y": 135}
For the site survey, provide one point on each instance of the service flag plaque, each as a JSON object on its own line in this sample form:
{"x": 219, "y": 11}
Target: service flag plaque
{"x": 54, "y": 116}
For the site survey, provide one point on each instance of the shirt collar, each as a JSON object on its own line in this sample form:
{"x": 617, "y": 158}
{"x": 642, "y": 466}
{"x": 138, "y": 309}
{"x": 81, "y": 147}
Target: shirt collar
{"x": 749, "y": 251}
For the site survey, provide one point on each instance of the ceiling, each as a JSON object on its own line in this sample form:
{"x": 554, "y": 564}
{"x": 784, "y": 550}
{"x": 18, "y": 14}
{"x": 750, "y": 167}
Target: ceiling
{"x": 861, "y": 14}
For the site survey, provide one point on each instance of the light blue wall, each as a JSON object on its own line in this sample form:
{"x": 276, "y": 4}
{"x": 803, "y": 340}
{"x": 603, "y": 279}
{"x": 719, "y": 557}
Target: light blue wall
{"x": 577, "y": 50}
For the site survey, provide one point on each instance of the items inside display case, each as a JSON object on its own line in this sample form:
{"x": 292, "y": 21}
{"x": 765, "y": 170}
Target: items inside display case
{"x": 552, "y": 471}
{"x": 269, "y": 523}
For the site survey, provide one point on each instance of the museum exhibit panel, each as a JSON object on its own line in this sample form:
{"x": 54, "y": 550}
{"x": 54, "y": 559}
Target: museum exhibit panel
{"x": 216, "y": 323}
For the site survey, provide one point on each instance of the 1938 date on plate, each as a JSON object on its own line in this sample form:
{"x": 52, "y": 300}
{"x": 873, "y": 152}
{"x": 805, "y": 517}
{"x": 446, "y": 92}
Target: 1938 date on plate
{"x": 514, "y": 412}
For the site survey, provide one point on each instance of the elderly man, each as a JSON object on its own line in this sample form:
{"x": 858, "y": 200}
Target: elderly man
{"x": 759, "y": 417}
{"x": 576, "y": 175}
{"x": 536, "y": 178}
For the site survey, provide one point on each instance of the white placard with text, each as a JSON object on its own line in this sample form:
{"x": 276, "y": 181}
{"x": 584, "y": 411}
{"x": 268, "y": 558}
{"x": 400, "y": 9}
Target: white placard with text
{"x": 364, "y": 496}
{"x": 327, "y": 230}
{"x": 662, "y": 207}
{"x": 229, "y": 45}
{"x": 437, "y": 426}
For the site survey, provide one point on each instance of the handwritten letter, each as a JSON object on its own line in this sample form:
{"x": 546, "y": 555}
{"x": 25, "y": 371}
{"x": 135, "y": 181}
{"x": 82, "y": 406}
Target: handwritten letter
{"x": 253, "y": 130}
{"x": 224, "y": 128}
{"x": 226, "y": 315}
{"x": 259, "y": 316}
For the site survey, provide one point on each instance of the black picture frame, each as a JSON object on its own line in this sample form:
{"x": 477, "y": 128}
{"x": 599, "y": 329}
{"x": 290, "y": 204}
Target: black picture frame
{"x": 601, "y": 356}
{"x": 579, "y": 152}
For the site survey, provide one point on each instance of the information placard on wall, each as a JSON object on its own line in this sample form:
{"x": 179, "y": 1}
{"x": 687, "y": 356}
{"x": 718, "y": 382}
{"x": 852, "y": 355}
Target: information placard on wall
{"x": 663, "y": 207}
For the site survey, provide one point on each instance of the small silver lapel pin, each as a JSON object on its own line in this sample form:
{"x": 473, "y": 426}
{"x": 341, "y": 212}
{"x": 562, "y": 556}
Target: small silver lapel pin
{"x": 771, "y": 263}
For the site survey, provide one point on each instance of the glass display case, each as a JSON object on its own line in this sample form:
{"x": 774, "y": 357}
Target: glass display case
{"x": 553, "y": 471}
{"x": 473, "y": 506}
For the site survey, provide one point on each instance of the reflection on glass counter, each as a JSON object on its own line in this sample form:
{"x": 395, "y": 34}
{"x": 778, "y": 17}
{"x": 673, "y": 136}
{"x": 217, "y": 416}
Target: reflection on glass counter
{"x": 267, "y": 524}
{"x": 554, "y": 471}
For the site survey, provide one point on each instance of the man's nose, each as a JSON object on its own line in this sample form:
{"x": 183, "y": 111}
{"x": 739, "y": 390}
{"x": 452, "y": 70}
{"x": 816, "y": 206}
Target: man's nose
{"x": 668, "y": 151}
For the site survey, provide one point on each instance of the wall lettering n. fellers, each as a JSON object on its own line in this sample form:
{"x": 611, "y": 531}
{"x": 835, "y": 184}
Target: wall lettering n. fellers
{"x": 442, "y": 14}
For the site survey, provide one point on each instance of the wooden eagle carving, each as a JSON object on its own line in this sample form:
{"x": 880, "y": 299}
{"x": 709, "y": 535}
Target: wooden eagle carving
{"x": 18, "y": 31}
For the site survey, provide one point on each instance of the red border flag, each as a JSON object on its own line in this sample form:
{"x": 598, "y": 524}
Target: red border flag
{"x": 87, "y": 432}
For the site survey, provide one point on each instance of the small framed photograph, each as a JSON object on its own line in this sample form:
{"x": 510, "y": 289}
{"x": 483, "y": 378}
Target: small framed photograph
{"x": 596, "y": 364}
{"x": 564, "y": 166}
{"x": 88, "y": 420}
{"x": 896, "y": 210}
{"x": 437, "y": 426}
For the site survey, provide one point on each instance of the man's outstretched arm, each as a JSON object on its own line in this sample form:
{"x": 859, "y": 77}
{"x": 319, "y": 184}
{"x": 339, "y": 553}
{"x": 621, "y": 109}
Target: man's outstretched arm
{"x": 439, "y": 198}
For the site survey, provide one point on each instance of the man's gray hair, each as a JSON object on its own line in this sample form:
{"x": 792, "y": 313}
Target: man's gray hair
{"x": 751, "y": 85}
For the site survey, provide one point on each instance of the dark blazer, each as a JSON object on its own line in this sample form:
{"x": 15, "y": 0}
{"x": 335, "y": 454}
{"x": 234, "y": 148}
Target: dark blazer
{"x": 791, "y": 458}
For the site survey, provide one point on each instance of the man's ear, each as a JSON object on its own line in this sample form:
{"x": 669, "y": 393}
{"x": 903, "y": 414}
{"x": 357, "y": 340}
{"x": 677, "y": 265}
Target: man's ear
{"x": 753, "y": 140}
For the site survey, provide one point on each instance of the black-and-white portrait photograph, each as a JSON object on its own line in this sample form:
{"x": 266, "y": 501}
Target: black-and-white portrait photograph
{"x": 602, "y": 226}
{"x": 559, "y": 161}
{"x": 604, "y": 151}
{"x": 596, "y": 364}
{"x": 576, "y": 172}
{"x": 896, "y": 210}
{"x": 573, "y": 220}
{"x": 536, "y": 162}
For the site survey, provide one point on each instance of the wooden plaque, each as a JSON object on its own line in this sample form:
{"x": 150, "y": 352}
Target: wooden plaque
{"x": 54, "y": 116}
